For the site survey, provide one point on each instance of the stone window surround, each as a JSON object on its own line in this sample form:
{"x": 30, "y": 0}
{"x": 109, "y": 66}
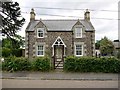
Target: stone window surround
{"x": 78, "y": 43}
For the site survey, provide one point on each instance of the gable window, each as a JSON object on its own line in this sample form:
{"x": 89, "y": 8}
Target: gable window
{"x": 40, "y": 32}
{"x": 78, "y": 50}
{"x": 78, "y": 32}
{"x": 40, "y": 50}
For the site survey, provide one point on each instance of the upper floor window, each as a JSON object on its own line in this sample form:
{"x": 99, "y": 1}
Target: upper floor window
{"x": 40, "y": 32}
{"x": 78, "y": 32}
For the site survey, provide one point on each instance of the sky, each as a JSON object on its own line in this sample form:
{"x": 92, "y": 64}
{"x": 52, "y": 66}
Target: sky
{"x": 103, "y": 13}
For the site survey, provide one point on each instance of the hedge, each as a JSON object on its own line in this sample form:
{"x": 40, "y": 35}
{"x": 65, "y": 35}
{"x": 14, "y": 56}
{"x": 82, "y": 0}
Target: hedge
{"x": 13, "y": 63}
{"x": 92, "y": 64}
{"x": 41, "y": 64}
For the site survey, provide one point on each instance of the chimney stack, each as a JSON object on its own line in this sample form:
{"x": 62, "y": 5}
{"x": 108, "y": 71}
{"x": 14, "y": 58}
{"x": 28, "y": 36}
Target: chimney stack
{"x": 32, "y": 15}
{"x": 87, "y": 15}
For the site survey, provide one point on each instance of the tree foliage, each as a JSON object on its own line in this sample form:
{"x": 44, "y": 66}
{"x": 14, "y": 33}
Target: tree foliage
{"x": 97, "y": 44}
{"x": 106, "y": 46}
{"x": 7, "y": 42}
{"x": 11, "y": 19}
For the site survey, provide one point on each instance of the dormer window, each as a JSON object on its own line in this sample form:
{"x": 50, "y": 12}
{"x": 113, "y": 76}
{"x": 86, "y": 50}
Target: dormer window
{"x": 78, "y": 32}
{"x": 40, "y": 32}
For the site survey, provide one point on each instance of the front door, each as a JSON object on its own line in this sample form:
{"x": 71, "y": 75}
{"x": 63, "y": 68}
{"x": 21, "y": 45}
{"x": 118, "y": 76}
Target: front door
{"x": 59, "y": 56}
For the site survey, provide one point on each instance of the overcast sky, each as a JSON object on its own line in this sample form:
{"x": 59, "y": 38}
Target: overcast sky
{"x": 104, "y": 13}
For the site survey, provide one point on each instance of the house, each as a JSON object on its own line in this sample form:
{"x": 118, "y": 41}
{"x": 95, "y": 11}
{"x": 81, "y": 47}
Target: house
{"x": 59, "y": 38}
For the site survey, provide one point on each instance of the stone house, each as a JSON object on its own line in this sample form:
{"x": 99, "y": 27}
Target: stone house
{"x": 59, "y": 38}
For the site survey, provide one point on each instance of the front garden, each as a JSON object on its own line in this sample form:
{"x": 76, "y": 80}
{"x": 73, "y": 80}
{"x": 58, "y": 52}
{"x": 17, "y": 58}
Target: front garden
{"x": 71, "y": 64}
{"x": 13, "y": 63}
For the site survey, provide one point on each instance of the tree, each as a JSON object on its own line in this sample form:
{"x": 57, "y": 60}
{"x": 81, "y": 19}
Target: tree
{"x": 7, "y": 43}
{"x": 97, "y": 44}
{"x": 11, "y": 19}
{"x": 8, "y": 49}
{"x": 106, "y": 46}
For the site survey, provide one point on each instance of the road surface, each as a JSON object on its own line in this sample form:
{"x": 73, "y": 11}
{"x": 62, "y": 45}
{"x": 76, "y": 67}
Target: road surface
{"x": 20, "y": 83}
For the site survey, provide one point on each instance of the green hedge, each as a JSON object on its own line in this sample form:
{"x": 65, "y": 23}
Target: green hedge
{"x": 12, "y": 64}
{"x": 41, "y": 64}
{"x": 92, "y": 64}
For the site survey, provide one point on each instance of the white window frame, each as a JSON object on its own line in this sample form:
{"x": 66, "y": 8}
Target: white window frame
{"x": 77, "y": 28}
{"x": 76, "y": 50}
{"x": 40, "y": 50}
{"x": 40, "y": 29}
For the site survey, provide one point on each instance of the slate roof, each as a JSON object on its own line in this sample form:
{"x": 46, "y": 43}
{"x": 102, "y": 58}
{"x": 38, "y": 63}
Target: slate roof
{"x": 60, "y": 25}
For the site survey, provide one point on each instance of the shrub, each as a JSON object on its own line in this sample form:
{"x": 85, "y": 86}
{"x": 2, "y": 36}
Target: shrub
{"x": 92, "y": 64}
{"x": 12, "y": 64}
{"x": 41, "y": 64}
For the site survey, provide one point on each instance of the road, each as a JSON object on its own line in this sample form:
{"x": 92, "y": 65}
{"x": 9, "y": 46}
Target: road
{"x": 20, "y": 83}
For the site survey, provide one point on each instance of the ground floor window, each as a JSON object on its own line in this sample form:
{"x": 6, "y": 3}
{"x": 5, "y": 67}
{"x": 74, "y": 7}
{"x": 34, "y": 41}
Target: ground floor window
{"x": 40, "y": 50}
{"x": 78, "y": 50}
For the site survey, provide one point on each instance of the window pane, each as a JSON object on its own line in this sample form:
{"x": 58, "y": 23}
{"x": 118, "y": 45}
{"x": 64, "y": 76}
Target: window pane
{"x": 40, "y": 30}
{"x": 40, "y": 47}
{"x": 78, "y": 53}
{"x": 78, "y": 47}
{"x": 40, "y": 52}
{"x": 40, "y": 34}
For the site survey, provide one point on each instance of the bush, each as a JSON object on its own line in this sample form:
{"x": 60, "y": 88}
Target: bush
{"x": 12, "y": 64}
{"x": 92, "y": 64}
{"x": 41, "y": 64}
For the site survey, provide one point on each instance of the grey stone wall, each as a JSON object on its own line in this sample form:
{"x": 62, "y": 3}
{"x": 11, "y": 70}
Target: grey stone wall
{"x": 31, "y": 44}
{"x": 90, "y": 43}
